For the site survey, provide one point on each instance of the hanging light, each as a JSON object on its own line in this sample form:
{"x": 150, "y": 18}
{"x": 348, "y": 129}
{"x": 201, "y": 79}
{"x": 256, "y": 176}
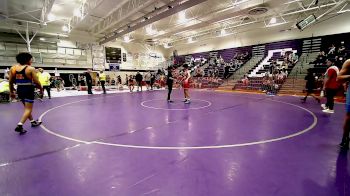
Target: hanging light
{"x": 51, "y": 17}
{"x": 77, "y": 12}
{"x": 149, "y": 30}
{"x": 65, "y": 28}
{"x": 127, "y": 38}
{"x": 273, "y": 20}
{"x": 223, "y": 32}
{"x": 190, "y": 40}
{"x": 182, "y": 16}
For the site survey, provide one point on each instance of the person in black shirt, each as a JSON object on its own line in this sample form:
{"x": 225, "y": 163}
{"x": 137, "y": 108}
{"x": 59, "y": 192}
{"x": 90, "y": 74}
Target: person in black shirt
{"x": 88, "y": 81}
{"x": 310, "y": 86}
{"x": 169, "y": 82}
{"x": 139, "y": 78}
{"x": 153, "y": 79}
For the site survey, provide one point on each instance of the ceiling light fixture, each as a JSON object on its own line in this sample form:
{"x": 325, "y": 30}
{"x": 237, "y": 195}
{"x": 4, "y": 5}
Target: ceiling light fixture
{"x": 65, "y": 28}
{"x": 237, "y": 2}
{"x": 77, "y": 13}
{"x": 51, "y": 17}
{"x": 273, "y": 20}
{"x": 223, "y": 32}
{"x": 182, "y": 17}
{"x": 150, "y": 30}
{"x": 126, "y": 39}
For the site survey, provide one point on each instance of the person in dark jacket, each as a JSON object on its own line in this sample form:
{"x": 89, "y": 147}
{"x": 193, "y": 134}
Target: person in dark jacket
{"x": 153, "y": 79}
{"x": 169, "y": 82}
{"x": 139, "y": 79}
{"x": 88, "y": 79}
{"x": 310, "y": 86}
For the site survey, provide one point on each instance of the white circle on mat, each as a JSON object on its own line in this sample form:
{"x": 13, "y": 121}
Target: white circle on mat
{"x": 208, "y": 104}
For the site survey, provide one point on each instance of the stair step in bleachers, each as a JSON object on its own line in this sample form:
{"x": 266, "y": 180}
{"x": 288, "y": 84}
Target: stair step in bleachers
{"x": 258, "y": 50}
{"x": 312, "y": 45}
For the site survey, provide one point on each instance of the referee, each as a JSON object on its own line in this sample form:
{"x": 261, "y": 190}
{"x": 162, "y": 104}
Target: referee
{"x": 169, "y": 82}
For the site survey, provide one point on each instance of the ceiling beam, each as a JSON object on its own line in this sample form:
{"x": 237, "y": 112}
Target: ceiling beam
{"x": 3, "y": 8}
{"x": 46, "y": 10}
{"x": 290, "y": 13}
{"x": 178, "y": 6}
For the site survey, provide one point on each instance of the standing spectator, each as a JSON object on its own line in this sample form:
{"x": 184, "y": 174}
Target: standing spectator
{"x": 186, "y": 83}
{"x": 82, "y": 80}
{"x": 44, "y": 78}
{"x": 119, "y": 82}
{"x": 273, "y": 66}
{"x": 310, "y": 86}
{"x": 153, "y": 79}
{"x": 126, "y": 79}
{"x": 131, "y": 83}
{"x": 331, "y": 86}
{"x": 102, "y": 78}
{"x": 344, "y": 77}
{"x": 139, "y": 80}
{"x": 147, "y": 79}
{"x": 88, "y": 79}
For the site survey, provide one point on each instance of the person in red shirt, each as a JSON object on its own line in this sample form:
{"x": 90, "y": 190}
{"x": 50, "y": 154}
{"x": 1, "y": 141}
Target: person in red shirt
{"x": 186, "y": 84}
{"x": 344, "y": 77}
{"x": 331, "y": 86}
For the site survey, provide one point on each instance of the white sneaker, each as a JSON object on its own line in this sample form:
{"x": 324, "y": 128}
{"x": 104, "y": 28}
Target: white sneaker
{"x": 323, "y": 106}
{"x": 328, "y": 111}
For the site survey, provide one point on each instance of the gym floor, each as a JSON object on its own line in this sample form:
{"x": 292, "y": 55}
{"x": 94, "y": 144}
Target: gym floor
{"x": 138, "y": 144}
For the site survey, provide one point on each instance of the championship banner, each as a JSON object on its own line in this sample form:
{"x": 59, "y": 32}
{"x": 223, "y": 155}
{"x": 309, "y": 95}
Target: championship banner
{"x": 114, "y": 66}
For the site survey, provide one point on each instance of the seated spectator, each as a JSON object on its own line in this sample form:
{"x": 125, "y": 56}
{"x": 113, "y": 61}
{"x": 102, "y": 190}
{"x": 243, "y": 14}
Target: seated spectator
{"x": 5, "y": 90}
{"x": 339, "y": 60}
{"x": 295, "y": 58}
{"x": 272, "y": 66}
{"x": 285, "y": 64}
{"x": 245, "y": 80}
{"x": 265, "y": 83}
{"x": 320, "y": 59}
{"x": 341, "y": 50}
{"x": 281, "y": 76}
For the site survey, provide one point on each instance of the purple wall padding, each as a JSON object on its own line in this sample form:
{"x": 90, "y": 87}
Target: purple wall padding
{"x": 228, "y": 54}
{"x": 295, "y": 44}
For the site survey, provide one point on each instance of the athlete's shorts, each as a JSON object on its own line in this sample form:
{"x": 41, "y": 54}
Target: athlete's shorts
{"x": 26, "y": 93}
{"x": 348, "y": 100}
